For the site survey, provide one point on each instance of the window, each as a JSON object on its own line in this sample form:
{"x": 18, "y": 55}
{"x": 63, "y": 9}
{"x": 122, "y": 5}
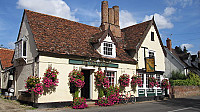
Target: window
{"x": 21, "y": 48}
{"x": 140, "y": 75}
{"x": 151, "y": 54}
{"x": 108, "y": 49}
{"x": 111, "y": 77}
{"x": 158, "y": 79}
{"x": 152, "y": 36}
{"x": 147, "y": 76}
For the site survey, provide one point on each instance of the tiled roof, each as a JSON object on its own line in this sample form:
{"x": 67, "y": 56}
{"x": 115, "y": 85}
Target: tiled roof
{"x": 134, "y": 34}
{"x": 6, "y": 57}
{"x": 61, "y": 36}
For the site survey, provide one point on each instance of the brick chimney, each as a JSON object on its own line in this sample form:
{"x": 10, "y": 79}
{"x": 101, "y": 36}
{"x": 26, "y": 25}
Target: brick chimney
{"x": 169, "y": 44}
{"x": 110, "y": 18}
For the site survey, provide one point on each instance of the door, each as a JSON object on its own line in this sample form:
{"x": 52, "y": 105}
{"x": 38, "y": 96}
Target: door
{"x": 85, "y": 91}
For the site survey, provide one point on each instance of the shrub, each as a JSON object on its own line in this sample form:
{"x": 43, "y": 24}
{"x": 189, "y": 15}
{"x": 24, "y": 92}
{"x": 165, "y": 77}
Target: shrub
{"x": 177, "y": 75}
{"x": 79, "y": 103}
{"x": 33, "y": 85}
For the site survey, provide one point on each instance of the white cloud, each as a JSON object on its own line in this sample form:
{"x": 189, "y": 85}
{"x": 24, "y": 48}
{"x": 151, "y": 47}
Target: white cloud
{"x": 161, "y": 21}
{"x": 169, "y": 11}
{"x": 52, "y": 7}
{"x": 188, "y": 46}
{"x": 126, "y": 19}
{"x": 11, "y": 45}
{"x": 182, "y": 3}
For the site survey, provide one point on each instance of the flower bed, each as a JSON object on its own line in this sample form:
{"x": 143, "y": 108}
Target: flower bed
{"x": 79, "y": 103}
{"x": 33, "y": 85}
{"x": 50, "y": 78}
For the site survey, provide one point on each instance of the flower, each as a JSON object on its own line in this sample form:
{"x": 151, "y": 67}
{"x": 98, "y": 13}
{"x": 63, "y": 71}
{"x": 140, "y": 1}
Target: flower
{"x": 101, "y": 81}
{"x": 50, "y": 77}
{"x": 135, "y": 81}
{"x": 152, "y": 82}
{"x": 124, "y": 80}
{"x": 165, "y": 84}
{"x": 33, "y": 85}
{"x": 79, "y": 103}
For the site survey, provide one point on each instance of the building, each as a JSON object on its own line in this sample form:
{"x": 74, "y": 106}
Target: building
{"x": 48, "y": 41}
{"x": 6, "y": 70}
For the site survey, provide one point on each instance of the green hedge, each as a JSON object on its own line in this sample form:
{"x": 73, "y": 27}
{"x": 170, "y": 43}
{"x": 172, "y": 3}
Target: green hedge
{"x": 192, "y": 80}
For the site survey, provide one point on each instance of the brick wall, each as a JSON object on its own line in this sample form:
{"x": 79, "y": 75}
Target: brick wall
{"x": 184, "y": 91}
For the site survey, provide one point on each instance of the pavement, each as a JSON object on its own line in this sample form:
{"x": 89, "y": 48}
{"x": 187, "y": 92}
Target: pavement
{"x": 190, "y": 104}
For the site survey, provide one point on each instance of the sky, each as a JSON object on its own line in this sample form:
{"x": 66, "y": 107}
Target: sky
{"x": 178, "y": 20}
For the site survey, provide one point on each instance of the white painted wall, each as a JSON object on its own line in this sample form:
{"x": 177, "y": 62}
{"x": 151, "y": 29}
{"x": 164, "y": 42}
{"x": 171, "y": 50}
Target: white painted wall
{"x": 152, "y": 45}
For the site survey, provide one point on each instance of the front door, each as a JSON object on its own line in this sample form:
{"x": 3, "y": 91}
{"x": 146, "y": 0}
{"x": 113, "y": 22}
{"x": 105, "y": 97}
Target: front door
{"x": 85, "y": 91}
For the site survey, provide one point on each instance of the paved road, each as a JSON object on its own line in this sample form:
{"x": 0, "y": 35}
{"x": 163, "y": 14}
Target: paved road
{"x": 191, "y": 104}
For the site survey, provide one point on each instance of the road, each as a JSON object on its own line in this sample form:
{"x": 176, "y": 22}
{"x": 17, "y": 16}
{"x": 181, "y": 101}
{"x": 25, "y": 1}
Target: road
{"x": 191, "y": 104}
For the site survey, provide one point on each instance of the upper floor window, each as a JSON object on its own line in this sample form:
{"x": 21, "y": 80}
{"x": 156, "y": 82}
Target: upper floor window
{"x": 151, "y": 54}
{"x": 21, "y": 48}
{"x": 152, "y": 36}
{"x": 108, "y": 49}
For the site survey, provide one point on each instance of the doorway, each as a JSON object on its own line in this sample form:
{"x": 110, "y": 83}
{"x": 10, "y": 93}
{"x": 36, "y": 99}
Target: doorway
{"x": 85, "y": 91}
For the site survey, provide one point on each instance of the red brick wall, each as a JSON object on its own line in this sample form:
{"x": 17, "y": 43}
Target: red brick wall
{"x": 185, "y": 91}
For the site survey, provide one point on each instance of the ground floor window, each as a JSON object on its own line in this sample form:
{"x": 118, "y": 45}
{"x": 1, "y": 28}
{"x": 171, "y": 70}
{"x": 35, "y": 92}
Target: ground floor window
{"x": 141, "y": 75}
{"x": 147, "y": 81}
{"x": 158, "y": 79}
{"x": 111, "y": 77}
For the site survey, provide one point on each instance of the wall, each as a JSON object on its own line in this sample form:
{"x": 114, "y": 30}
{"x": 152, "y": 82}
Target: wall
{"x": 185, "y": 91}
{"x": 152, "y": 45}
{"x": 172, "y": 64}
{"x": 62, "y": 91}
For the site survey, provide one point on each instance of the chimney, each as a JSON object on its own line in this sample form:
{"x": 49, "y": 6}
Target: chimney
{"x": 116, "y": 15}
{"x": 110, "y": 18}
{"x": 169, "y": 44}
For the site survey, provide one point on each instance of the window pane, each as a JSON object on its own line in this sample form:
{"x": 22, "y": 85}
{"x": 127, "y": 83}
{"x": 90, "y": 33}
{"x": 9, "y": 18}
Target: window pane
{"x": 152, "y": 36}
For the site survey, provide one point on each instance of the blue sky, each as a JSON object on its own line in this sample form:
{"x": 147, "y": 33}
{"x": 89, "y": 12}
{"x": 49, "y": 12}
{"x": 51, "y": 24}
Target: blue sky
{"x": 181, "y": 18}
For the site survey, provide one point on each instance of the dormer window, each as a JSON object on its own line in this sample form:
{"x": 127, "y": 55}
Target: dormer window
{"x": 108, "y": 49}
{"x": 21, "y": 48}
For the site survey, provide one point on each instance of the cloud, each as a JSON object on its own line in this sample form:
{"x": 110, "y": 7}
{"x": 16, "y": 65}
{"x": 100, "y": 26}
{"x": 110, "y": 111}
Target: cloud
{"x": 169, "y": 11}
{"x": 11, "y": 45}
{"x": 163, "y": 21}
{"x": 182, "y": 3}
{"x": 126, "y": 19}
{"x": 52, "y": 7}
{"x": 188, "y": 46}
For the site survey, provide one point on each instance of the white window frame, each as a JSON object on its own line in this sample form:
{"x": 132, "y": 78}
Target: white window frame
{"x": 19, "y": 48}
{"x": 113, "y": 49}
{"x": 112, "y": 77}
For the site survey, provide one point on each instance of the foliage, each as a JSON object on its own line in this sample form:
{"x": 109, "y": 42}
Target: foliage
{"x": 165, "y": 84}
{"x": 135, "y": 81}
{"x": 50, "y": 77}
{"x": 124, "y": 80}
{"x": 152, "y": 82}
{"x": 33, "y": 85}
{"x": 101, "y": 82}
{"x": 76, "y": 78}
{"x": 112, "y": 97}
{"x": 192, "y": 80}
{"x": 79, "y": 103}
{"x": 177, "y": 75}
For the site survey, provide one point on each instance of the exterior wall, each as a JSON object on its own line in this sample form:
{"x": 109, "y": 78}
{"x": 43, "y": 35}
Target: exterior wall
{"x": 27, "y": 67}
{"x": 152, "y": 45}
{"x": 172, "y": 64}
{"x": 185, "y": 91}
{"x": 62, "y": 91}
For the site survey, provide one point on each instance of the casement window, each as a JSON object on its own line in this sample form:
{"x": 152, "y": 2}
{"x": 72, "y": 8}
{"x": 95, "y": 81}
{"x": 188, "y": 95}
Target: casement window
{"x": 111, "y": 77}
{"x": 21, "y": 48}
{"x": 141, "y": 75}
{"x": 108, "y": 49}
{"x": 158, "y": 79}
{"x": 152, "y": 36}
{"x": 147, "y": 82}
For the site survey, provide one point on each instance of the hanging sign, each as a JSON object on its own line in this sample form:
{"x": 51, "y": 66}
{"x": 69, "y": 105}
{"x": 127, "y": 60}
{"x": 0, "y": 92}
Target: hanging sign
{"x": 150, "y": 65}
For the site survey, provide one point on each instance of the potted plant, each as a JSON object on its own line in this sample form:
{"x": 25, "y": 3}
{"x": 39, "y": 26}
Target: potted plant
{"x": 135, "y": 81}
{"x": 34, "y": 85}
{"x": 50, "y": 78}
{"x": 124, "y": 81}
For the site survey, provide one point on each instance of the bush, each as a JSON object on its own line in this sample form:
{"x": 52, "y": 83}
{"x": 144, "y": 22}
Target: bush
{"x": 177, "y": 75}
{"x": 192, "y": 80}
